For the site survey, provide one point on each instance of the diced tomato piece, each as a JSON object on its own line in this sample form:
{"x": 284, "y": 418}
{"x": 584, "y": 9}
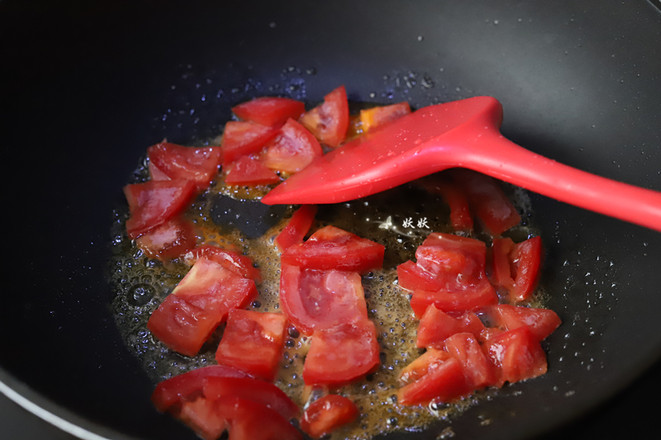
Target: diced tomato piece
{"x": 198, "y": 304}
{"x": 334, "y": 248}
{"x": 250, "y": 171}
{"x": 297, "y": 227}
{"x": 517, "y": 354}
{"x": 292, "y": 149}
{"x": 269, "y": 110}
{"x": 454, "y": 268}
{"x": 329, "y": 120}
{"x": 199, "y": 165}
{"x": 443, "y": 382}
{"x": 341, "y": 354}
{"x": 377, "y": 117}
{"x": 203, "y": 417}
{"x": 242, "y": 138}
{"x": 516, "y": 266}
{"x": 421, "y": 365}
{"x": 487, "y": 200}
{"x": 541, "y": 322}
{"x": 250, "y": 420}
{"x": 461, "y": 217}
{"x": 170, "y": 393}
{"x": 169, "y": 240}
{"x": 457, "y": 301}
{"x": 156, "y": 173}
{"x": 253, "y": 389}
{"x": 478, "y": 370}
{"x": 152, "y": 203}
{"x": 253, "y": 341}
{"x": 315, "y": 299}
{"x": 435, "y": 326}
{"x": 328, "y": 413}
{"x": 241, "y": 264}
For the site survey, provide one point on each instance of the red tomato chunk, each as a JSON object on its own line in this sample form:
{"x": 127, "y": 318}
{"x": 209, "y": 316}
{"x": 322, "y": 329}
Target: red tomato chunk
{"x": 199, "y": 165}
{"x": 253, "y": 342}
{"x": 341, "y": 354}
{"x": 269, "y": 110}
{"x": 516, "y": 266}
{"x": 198, "y": 304}
{"x": 327, "y": 414}
{"x": 329, "y": 121}
{"x": 297, "y": 227}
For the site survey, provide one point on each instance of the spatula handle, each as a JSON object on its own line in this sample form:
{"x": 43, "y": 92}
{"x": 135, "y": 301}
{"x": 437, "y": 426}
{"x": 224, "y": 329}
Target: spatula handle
{"x": 509, "y": 162}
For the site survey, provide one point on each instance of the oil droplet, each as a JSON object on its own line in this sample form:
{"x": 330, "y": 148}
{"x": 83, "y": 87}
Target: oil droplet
{"x": 140, "y": 294}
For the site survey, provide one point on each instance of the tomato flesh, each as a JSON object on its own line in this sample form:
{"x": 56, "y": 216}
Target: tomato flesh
{"x": 239, "y": 263}
{"x": 154, "y": 202}
{"x": 169, "y": 240}
{"x": 269, "y": 110}
{"x": 242, "y": 138}
{"x": 516, "y": 266}
{"x": 436, "y": 326}
{"x": 454, "y": 196}
{"x": 517, "y": 354}
{"x": 487, "y": 200}
{"x": 292, "y": 149}
{"x": 341, "y": 354}
{"x": 297, "y": 227}
{"x": 478, "y": 370}
{"x": 250, "y": 171}
{"x": 328, "y": 413}
{"x": 443, "y": 381}
{"x": 541, "y": 322}
{"x": 334, "y": 248}
{"x": 198, "y": 304}
{"x": 250, "y": 420}
{"x": 317, "y": 299}
{"x": 253, "y": 342}
{"x": 199, "y": 165}
{"x": 329, "y": 121}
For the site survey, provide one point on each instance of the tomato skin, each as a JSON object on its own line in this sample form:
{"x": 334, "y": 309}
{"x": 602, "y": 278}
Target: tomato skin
{"x": 334, "y": 248}
{"x": 292, "y": 149}
{"x": 253, "y": 341}
{"x": 328, "y": 413}
{"x": 260, "y": 391}
{"x": 329, "y": 121}
{"x": 250, "y": 171}
{"x": 341, "y": 354}
{"x": 517, "y": 355}
{"x": 170, "y": 393}
{"x": 541, "y": 322}
{"x": 478, "y": 370}
{"x": 436, "y": 326}
{"x": 199, "y": 165}
{"x": 152, "y": 203}
{"x": 297, "y": 227}
{"x": 269, "y": 110}
{"x": 314, "y": 299}
{"x": 487, "y": 200}
{"x": 444, "y": 381}
{"x": 377, "y": 117}
{"x": 202, "y": 417}
{"x": 242, "y": 138}
{"x": 516, "y": 266}
{"x": 198, "y": 304}
{"x": 169, "y": 240}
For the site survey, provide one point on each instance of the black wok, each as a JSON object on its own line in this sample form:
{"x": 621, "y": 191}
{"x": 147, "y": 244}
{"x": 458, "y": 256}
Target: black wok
{"x": 87, "y": 87}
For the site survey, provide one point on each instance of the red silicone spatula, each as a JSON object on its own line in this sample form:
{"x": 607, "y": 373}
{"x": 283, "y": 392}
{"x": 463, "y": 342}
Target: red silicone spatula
{"x": 465, "y": 134}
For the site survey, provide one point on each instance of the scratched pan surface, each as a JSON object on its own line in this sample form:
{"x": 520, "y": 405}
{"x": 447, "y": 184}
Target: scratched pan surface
{"x": 87, "y": 87}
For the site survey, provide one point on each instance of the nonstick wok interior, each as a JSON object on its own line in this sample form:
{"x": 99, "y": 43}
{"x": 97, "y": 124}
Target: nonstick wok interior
{"x": 88, "y": 87}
